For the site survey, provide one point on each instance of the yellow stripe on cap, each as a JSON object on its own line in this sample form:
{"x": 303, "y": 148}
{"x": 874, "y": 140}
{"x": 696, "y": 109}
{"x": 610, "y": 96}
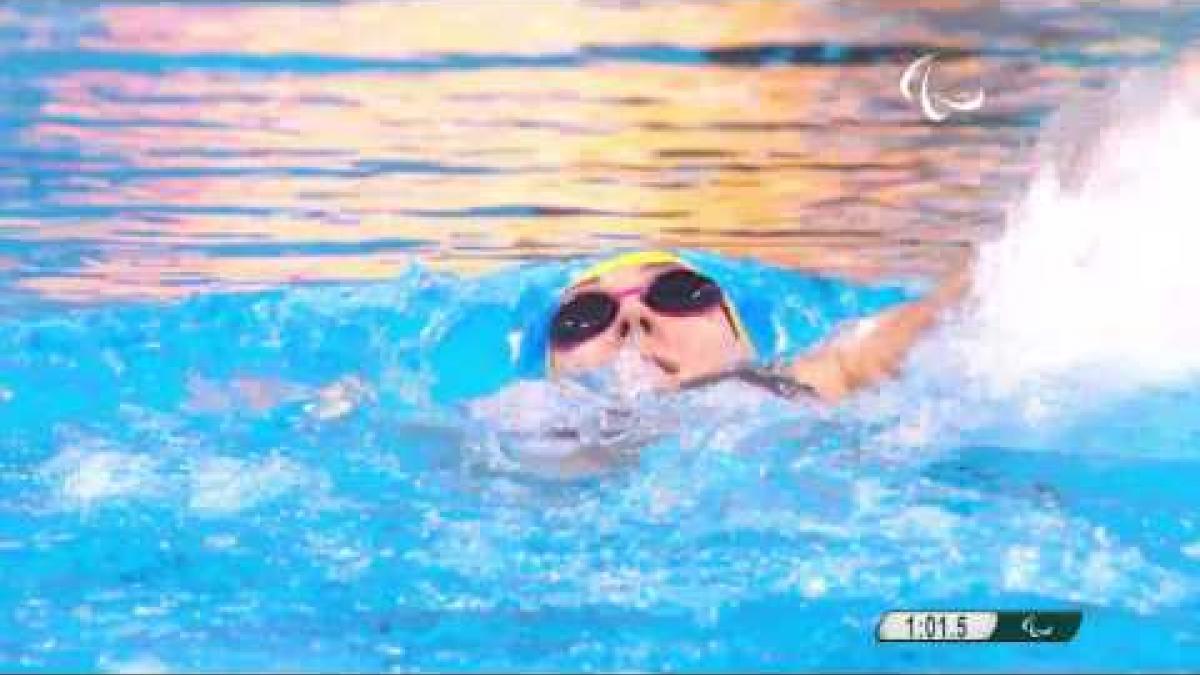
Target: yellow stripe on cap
{"x": 624, "y": 260}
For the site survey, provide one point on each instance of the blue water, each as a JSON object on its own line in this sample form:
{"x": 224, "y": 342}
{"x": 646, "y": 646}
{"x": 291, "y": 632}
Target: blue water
{"x": 264, "y": 271}
{"x": 141, "y": 532}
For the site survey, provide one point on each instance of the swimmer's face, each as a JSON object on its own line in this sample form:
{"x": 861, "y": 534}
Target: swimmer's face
{"x": 679, "y": 328}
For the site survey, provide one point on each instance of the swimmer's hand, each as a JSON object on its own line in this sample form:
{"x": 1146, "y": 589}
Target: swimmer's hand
{"x": 876, "y": 347}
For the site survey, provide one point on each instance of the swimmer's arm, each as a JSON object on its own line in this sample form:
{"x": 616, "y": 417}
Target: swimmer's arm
{"x": 877, "y": 347}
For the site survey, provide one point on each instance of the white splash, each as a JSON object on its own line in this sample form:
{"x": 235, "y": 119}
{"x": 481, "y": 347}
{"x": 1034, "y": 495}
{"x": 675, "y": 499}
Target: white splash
{"x": 223, "y": 485}
{"x": 88, "y": 475}
{"x": 635, "y": 375}
{"x": 1097, "y": 276}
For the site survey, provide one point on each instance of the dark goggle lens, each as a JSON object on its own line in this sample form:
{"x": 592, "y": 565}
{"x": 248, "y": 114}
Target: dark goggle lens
{"x": 584, "y": 317}
{"x": 682, "y": 292}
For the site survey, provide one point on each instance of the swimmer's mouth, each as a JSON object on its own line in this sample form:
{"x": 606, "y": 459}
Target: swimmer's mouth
{"x": 669, "y": 367}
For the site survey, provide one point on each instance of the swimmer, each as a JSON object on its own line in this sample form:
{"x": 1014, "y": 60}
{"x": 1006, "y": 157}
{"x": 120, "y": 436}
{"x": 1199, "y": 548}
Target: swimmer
{"x": 682, "y": 330}
{"x": 668, "y": 324}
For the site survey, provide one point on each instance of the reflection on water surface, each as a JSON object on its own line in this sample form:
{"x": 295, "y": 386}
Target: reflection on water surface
{"x": 156, "y": 151}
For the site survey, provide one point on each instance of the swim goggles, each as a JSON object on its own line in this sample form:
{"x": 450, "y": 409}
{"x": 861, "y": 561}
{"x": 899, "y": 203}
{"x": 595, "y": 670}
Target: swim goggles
{"x": 675, "y": 292}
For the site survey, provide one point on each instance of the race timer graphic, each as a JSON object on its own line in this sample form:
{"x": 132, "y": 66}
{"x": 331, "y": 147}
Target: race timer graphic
{"x": 978, "y": 626}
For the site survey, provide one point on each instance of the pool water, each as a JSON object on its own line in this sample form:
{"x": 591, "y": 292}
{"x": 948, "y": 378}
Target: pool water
{"x": 266, "y": 268}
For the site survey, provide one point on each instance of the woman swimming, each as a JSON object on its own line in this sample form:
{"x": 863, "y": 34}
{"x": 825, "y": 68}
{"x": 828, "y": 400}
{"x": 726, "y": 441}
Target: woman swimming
{"x": 657, "y": 321}
{"x": 654, "y": 314}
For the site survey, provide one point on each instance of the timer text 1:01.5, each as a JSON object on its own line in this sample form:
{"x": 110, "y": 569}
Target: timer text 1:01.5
{"x": 936, "y": 626}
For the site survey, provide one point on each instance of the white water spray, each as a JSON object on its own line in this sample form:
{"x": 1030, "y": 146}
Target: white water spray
{"x": 1097, "y": 277}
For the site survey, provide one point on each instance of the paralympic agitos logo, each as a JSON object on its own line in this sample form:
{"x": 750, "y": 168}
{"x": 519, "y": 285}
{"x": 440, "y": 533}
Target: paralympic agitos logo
{"x": 915, "y": 85}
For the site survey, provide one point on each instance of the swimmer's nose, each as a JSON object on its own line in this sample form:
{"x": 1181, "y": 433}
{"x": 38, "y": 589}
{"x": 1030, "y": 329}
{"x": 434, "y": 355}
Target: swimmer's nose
{"x": 637, "y": 319}
{"x": 640, "y": 330}
{"x": 645, "y": 326}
